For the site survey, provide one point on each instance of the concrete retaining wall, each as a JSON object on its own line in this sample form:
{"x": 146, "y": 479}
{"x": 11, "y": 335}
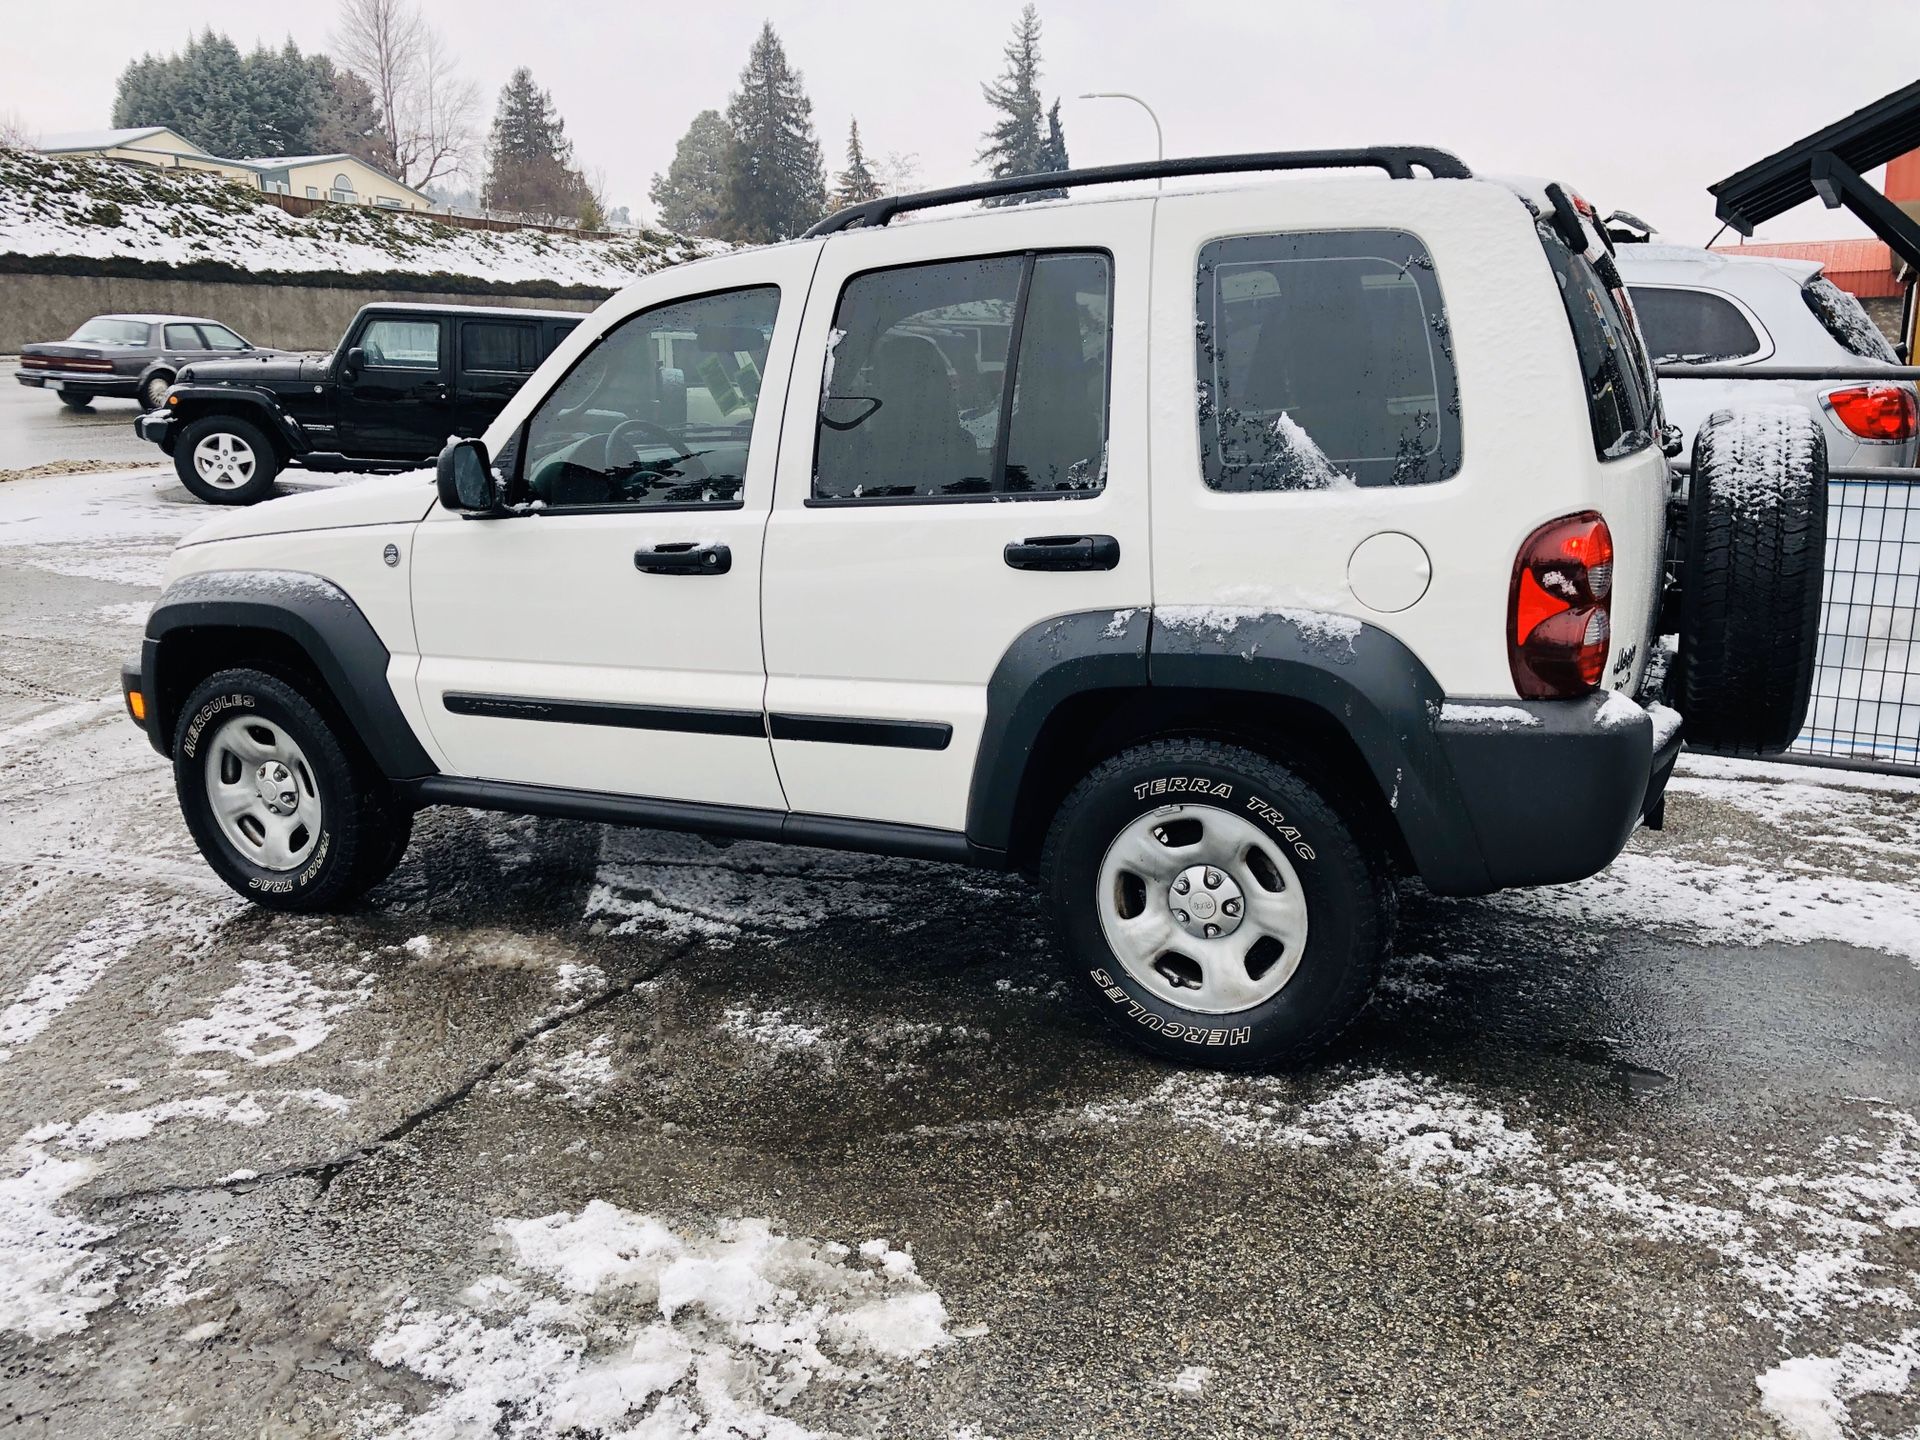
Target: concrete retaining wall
{"x": 51, "y": 307}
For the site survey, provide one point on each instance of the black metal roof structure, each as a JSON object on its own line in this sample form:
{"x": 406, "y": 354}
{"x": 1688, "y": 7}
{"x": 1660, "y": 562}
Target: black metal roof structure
{"x": 1397, "y": 160}
{"x": 1829, "y": 164}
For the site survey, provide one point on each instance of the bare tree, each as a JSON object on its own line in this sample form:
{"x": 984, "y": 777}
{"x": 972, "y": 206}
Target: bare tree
{"x": 425, "y": 107}
{"x": 15, "y": 133}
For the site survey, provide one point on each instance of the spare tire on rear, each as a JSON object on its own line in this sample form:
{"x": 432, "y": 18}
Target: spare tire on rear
{"x": 1750, "y": 590}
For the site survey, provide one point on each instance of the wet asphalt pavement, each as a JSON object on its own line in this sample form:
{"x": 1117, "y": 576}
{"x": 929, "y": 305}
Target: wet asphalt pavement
{"x": 36, "y": 429}
{"x": 1599, "y": 1160}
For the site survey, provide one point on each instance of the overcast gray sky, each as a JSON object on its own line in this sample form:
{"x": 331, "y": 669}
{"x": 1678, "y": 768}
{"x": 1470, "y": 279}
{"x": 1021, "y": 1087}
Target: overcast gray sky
{"x": 1639, "y": 103}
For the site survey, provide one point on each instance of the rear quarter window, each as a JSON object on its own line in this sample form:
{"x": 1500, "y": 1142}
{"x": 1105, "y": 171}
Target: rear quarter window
{"x": 1324, "y": 361}
{"x": 1846, "y": 319}
{"x": 1620, "y": 397}
{"x": 1692, "y": 325}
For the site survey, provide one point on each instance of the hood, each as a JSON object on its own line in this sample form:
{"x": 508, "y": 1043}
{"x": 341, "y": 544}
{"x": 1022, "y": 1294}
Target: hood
{"x": 380, "y": 500}
{"x": 279, "y": 367}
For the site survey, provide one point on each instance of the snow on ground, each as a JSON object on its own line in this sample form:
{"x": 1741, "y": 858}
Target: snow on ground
{"x": 120, "y": 527}
{"x": 575, "y": 1076}
{"x": 51, "y": 1276}
{"x": 275, "y": 1012}
{"x": 73, "y": 206}
{"x": 613, "y": 1322}
{"x": 1809, "y": 1394}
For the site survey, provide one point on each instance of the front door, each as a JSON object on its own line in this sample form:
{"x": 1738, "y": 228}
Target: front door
{"x": 399, "y": 403}
{"x": 959, "y": 397}
{"x": 495, "y": 358}
{"x": 607, "y": 638}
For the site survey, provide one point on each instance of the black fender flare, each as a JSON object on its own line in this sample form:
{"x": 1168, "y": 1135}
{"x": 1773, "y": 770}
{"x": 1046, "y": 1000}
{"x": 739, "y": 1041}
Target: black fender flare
{"x": 1361, "y": 677}
{"x": 196, "y": 402}
{"x": 313, "y": 614}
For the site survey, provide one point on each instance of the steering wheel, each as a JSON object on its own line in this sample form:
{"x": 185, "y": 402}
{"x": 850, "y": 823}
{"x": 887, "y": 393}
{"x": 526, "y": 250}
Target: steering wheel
{"x": 623, "y": 433}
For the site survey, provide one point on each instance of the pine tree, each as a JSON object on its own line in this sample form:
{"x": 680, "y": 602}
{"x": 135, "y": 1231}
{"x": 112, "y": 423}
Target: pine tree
{"x": 690, "y": 196}
{"x": 857, "y": 183}
{"x": 346, "y": 121}
{"x": 1022, "y": 141}
{"x": 530, "y": 167}
{"x": 776, "y": 184}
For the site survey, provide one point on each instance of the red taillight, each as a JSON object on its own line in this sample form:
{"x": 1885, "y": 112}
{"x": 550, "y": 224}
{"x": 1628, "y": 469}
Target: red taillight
{"x": 1875, "y": 412}
{"x": 1559, "y": 610}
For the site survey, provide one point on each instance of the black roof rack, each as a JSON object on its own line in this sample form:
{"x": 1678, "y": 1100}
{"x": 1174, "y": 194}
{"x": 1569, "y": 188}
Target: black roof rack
{"x": 1397, "y": 160}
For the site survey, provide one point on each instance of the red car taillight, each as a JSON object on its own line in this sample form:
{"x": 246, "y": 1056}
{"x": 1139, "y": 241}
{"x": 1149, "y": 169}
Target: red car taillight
{"x": 1559, "y": 610}
{"x": 1875, "y": 412}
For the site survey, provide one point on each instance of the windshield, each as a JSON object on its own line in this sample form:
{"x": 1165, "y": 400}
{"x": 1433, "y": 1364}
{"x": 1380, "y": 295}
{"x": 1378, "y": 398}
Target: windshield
{"x": 104, "y": 331}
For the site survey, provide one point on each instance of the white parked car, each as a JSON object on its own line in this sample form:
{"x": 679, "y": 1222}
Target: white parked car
{"x": 1707, "y": 307}
{"x": 1220, "y": 556}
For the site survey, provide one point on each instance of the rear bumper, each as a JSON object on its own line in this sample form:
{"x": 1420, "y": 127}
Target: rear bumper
{"x": 1553, "y": 789}
{"x": 92, "y": 382}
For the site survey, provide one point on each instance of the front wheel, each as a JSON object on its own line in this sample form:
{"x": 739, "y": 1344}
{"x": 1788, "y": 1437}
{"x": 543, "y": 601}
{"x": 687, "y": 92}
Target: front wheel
{"x": 282, "y": 810}
{"x": 1217, "y": 907}
{"x": 225, "y": 461}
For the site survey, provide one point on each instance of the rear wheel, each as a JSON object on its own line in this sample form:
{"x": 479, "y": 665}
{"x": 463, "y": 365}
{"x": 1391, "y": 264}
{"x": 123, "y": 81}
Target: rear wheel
{"x": 1750, "y": 590}
{"x": 226, "y": 461}
{"x": 75, "y": 399}
{"x": 282, "y": 810}
{"x": 153, "y": 393}
{"x": 1217, "y": 906}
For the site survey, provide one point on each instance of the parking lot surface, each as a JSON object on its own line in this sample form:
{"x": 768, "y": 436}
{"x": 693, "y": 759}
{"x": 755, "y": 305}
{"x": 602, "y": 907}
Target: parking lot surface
{"x": 573, "y": 1131}
{"x": 36, "y": 429}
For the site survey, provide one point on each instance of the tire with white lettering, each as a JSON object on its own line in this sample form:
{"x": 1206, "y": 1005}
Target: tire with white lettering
{"x": 285, "y": 812}
{"x": 1215, "y": 905}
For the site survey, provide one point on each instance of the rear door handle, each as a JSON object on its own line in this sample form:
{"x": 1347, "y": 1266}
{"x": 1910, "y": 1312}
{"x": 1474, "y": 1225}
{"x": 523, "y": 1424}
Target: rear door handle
{"x": 685, "y": 557}
{"x": 1063, "y": 552}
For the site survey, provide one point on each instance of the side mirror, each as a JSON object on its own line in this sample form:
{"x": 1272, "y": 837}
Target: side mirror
{"x": 1672, "y": 438}
{"x": 466, "y": 479}
{"x": 352, "y": 362}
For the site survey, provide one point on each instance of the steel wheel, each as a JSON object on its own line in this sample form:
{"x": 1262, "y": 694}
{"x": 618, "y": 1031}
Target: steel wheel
{"x": 224, "y": 460}
{"x": 262, "y": 793}
{"x": 1203, "y": 908}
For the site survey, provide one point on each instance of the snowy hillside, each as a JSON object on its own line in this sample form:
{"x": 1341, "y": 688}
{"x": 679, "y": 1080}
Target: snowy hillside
{"x": 70, "y": 207}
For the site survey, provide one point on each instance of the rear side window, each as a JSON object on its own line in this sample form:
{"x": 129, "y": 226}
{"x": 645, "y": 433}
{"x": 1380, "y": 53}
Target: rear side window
{"x": 183, "y": 337}
{"x": 1846, "y": 319}
{"x": 1692, "y": 325}
{"x": 1619, "y": 396}
{"x": 985, "y": 376}
{"x": 491, "y": 345}
{"x": 1324, "y": 361}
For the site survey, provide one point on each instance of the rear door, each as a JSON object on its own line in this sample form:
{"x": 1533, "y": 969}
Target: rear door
{"x": 494, "y": 359}
{"x": 960, "y": 396}
{"x": 400, "y": 404}
{"x": 182, "y": 344}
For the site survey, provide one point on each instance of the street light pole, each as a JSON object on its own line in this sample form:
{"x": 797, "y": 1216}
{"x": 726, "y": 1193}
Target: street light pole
{"x": 1159, "y": 140}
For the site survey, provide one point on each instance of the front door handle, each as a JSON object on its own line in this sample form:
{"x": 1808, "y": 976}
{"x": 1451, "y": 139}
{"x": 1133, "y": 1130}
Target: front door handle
{"x": 686, "y": 557}
{"x": 1063, "y": 552}
{"x": 432, "y": 391}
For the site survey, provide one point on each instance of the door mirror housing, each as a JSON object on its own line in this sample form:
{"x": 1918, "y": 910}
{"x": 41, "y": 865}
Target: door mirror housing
{"x": 1672, "y": 439}
{"x": 352, "y": 363}
{"x": 466, "y": 479}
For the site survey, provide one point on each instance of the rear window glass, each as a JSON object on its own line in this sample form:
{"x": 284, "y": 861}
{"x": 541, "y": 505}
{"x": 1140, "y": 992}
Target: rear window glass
{"x": 1846, "y": 319}
{"x": 1619, "y": 396}
{"x": 1324, "y": 361}
{"x": 1692, "y": 325}
{"x": 111, "y": 332}
{"x": 490, "y": 345}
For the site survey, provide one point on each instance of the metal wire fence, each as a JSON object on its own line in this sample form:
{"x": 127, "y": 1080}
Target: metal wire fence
{"x": 1865, "y": 710}
{"x": 1866, "y": 692}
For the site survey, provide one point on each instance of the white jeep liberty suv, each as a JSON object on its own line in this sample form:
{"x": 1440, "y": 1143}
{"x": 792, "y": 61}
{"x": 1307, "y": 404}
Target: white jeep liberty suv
{"x": 1225, "y": 556}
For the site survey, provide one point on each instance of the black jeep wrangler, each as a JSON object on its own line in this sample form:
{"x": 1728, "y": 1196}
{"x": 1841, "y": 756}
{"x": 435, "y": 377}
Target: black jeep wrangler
{"x": 403, "y": 378}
